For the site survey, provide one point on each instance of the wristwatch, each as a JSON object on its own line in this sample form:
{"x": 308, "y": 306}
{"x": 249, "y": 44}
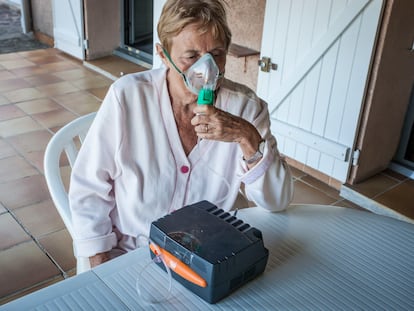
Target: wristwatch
{"x": 257, "y": 155}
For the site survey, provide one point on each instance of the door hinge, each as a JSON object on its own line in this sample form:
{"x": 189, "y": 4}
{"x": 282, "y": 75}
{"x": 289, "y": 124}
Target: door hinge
{"x": 86, "y": 44}
{"x": 355, "y": 157}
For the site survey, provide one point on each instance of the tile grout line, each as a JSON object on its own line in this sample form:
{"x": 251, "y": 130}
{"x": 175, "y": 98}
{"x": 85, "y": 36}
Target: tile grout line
{"x": 383, "y": 173}
{"x": 318, "y": 189}
{"x": 21, "y": 154}
{"x": 62, "y": 272}
{"x": 399, "y": 183}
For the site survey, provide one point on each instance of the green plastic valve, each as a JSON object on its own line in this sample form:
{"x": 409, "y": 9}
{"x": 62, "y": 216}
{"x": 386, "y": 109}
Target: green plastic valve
{"x": 205, "y": 97}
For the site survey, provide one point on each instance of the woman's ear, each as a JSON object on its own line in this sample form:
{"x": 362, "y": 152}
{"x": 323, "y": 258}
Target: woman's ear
{"x": 160, "y": 52}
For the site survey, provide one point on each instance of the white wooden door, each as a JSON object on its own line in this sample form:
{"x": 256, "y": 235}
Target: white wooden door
{"x": 68, "y": 27}
{"x": 323, "y": 50}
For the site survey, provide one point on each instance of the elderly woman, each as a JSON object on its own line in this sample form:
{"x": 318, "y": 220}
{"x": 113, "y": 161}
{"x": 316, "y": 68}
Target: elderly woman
{"x": 170, "y": 137}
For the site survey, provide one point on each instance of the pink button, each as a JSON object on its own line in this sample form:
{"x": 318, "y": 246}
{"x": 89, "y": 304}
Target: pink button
{"x": 184, "y": 169}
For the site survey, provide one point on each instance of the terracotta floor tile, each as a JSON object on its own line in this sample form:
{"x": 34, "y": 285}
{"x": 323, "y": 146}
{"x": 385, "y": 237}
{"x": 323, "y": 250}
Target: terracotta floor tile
{"x": 8, "y": 112}
{"x": 84, "y": 108}
{"x": 40, "y": 219}
{"x": 73, "y": 74}
{"x": 13, "y": 84}
{"x": 9, "y": 56}
{"x": 54, "y": 118}
{"x": 30, "y": 71}
{"x": 6, "y": 150}
{"x": 60, "y": 66}
{"x": 36, "y": 158}
{"x": 43, "y": 59}
{"x": 79, "y": 102}
{"x": 375, "y": 185}
{"x": 76, "y": 98}
{"x": 23, "y": 94}
{"x": 305, "y": 194}
{"x": 32, "y": 146}
{"x": 116, "y": 65}
{"x": 58, "y": 88}
{"x": 60, "y": 246}
{"x": 15, "y": 167}
{"x": 99, "y": 92}
{"x": 317, "y": 174}
{"x": 65, "y": 173}
{"x": 6, "y": 75}
{"x": 54, "y": 129}
{"x": 34, "y": 53}
{"x": 38, "y": 53}
{"x": 91, "y": 82}
{"x": 15, "y": 64}
{"x": 400, "y": 198}
{"x": 24, "y": 191}
{"x": 296, "y": 173}
{"x": 394, "y": 175}
{"x": 24, "y": 292}
{"x": 63, "y": 161}
{"x": 42, "y": 79}
{"x": 23, "y": 266}
{"x": 64, "y": 56}
{"x": 38, "y": 105}
{"x": 332, "y": 192}
{"x": 18, "y": 126}
{"x": 32, "y": 141}
{"x": 11, "y": 233}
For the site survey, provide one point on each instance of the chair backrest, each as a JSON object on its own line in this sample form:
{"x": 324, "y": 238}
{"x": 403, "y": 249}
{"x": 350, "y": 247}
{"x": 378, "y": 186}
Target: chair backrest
{"x": 65, "y": 140}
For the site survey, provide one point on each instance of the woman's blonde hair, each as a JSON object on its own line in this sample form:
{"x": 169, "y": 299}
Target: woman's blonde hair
{"x": 209, "y": 14}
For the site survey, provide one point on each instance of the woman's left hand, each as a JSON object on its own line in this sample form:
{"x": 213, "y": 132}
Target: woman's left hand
{"x": 212, "y": 123}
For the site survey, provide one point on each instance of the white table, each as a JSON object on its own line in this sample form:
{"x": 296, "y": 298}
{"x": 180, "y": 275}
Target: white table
{"x": 321, "y": 257}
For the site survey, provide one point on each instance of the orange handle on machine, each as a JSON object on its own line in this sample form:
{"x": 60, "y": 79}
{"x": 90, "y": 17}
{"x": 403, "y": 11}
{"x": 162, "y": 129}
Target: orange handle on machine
{"x": 178, "y": 266}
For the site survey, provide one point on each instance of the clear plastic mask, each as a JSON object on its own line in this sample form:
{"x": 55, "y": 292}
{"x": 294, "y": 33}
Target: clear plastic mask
{"x": 203, "y": 74}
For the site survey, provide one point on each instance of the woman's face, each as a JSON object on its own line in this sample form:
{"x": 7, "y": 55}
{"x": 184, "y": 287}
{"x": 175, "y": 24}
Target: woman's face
{"x": 187, "y": 47}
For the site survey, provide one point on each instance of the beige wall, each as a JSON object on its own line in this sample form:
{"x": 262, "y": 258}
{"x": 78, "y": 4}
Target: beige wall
{"x": 246, "y": 19}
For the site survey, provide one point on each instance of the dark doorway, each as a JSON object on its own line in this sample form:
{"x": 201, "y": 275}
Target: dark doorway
{"x": 405, "y": 152}
{"x": 137, "y": 31}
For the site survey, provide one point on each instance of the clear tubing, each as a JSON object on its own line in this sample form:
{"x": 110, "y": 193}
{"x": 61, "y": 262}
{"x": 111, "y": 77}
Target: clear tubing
{"x": 215, "y": 173}
{"x": 142, "y": 283}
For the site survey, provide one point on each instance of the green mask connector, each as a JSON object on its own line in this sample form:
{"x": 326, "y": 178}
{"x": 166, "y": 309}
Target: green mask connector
{"x": 205, "y": 97}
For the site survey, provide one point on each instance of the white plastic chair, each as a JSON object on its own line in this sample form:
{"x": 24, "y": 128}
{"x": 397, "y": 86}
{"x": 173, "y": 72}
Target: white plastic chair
{"x": 66, "y": 140}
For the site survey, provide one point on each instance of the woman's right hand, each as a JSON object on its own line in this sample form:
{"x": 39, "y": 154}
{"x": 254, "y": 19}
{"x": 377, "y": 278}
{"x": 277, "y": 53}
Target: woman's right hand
{"x": 98, "y": 259}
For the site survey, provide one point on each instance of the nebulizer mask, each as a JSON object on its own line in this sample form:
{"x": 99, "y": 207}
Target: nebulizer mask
{"x": 201, "y": 78}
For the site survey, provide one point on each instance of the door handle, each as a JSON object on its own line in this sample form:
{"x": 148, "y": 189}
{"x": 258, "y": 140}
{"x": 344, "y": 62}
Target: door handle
{"x": 266, "y": 64}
